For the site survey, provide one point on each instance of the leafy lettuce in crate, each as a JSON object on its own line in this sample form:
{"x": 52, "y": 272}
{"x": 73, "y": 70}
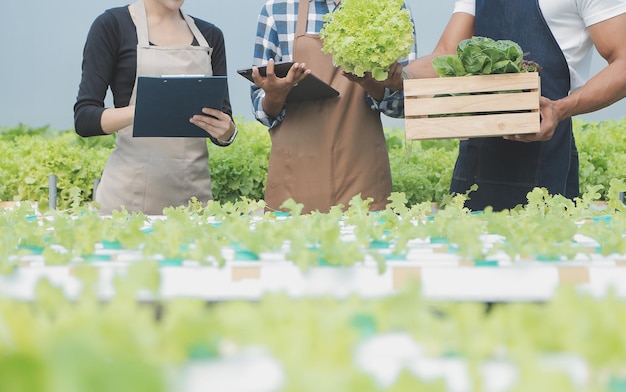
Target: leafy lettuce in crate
{"x": 368, "y": 36}
{"x": 484, "y": 56}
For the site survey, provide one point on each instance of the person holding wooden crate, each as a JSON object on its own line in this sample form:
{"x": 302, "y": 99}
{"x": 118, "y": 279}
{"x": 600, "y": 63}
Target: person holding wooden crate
{"x": 324, "y": 152}
{"x": 559, "y": 35}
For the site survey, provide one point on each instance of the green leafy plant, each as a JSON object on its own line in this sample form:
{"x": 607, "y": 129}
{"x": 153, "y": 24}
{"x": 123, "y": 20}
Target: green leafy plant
{"x": 422, "y": 170}
{"x": 484, "y": 56}
{"x": 55, "y": 343}
{"x": 240, "y": 170}
{"x": 368, "y": 36}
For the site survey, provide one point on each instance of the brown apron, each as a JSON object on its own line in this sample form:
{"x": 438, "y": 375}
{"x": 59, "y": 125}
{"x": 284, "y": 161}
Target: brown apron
{"x": 327, "y": 151}
{"x": 149, "y": 174}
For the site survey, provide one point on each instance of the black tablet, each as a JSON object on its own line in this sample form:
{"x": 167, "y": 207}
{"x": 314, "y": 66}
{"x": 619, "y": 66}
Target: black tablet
{"x": 309, "y": 88}
{"x": 165, "y": 104}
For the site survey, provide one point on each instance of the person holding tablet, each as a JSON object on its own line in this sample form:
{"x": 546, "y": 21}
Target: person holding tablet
{"x": 324, "y": 152}
{"x": 150, "y": 38}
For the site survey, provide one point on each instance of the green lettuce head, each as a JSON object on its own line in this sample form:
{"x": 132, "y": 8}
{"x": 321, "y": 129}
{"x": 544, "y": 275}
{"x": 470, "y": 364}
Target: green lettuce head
{"x": 481, "y": 56}
{"x": 368, "y": 36}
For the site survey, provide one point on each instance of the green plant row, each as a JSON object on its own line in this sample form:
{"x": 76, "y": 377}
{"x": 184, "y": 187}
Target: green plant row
{"x": 544, "y": 229}
{"x": 56, "y": 345}
{"x": 422, "y": 170}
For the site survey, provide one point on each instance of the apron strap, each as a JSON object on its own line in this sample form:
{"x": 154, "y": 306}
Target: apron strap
{"x": 301, "y": 24}
{"x": 196, "y": 32}
{"x": 303, "y": 14}
{"x": 141, "y": 21}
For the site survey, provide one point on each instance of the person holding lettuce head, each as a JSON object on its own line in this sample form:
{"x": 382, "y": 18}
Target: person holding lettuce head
{"x": 324, "y": 152}
{"x": 559, "y": 35}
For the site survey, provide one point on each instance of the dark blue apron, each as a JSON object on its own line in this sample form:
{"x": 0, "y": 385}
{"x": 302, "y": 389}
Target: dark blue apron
{"x": 505, "y": 171}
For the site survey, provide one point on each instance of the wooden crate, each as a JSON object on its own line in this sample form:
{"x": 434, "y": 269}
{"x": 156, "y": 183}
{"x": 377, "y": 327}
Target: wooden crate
{"x": 497, "y": 105}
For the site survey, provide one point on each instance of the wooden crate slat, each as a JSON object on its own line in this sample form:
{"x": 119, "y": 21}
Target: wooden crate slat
{"x": 471, "y": 104}
{"x": 472, "y": 126}
{"x": 468, "y": 84}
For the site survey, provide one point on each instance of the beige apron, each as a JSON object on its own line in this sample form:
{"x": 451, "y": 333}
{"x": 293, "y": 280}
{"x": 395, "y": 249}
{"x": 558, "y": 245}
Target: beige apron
{"x": 149, "y": 174}
{"x": 327, "y": 151}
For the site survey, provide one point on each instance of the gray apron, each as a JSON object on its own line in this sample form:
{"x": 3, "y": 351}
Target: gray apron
{"x": 149, "y": 174}
{"x": 505, "y": 170}
{"x": 325, "y": 152}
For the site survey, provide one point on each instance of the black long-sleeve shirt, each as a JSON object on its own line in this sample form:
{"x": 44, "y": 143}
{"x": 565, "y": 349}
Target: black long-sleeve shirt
{"x": 110, "y": 61}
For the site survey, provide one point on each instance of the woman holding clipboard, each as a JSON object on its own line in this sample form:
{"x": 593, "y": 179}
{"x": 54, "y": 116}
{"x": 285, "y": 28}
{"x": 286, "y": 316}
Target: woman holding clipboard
{"x": 149, "y": 38}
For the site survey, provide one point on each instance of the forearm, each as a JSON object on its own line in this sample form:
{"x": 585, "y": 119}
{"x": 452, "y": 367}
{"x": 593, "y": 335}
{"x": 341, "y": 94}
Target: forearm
{"x": 604, "y": 89}
{"x": 273, "y": 105}
{"x": 258, "y": 95}
{"x": 421, "y": 68}
{"x": 459, "y": 27}
{"x": 115, "y": 119}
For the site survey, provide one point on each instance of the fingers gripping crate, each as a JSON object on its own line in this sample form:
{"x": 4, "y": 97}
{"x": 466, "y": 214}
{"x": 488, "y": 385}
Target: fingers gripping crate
{"x": 472, "y": 106}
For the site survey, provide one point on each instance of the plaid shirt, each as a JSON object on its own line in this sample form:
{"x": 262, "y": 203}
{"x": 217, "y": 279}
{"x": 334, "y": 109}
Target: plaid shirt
{"x": 275, "y": 35}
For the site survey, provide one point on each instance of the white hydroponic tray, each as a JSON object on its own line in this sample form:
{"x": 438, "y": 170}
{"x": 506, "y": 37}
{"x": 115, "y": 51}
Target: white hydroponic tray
{"x": 441, "y": 276}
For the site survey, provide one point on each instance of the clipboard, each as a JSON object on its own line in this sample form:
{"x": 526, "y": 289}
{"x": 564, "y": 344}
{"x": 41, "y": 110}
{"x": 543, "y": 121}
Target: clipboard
{"x": 308, "y": 89}
{"x": 165, "y": 104}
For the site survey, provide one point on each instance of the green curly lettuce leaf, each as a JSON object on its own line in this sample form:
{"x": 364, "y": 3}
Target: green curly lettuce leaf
{"x": 449, "y": 65}
{"x": 368, "y": 36}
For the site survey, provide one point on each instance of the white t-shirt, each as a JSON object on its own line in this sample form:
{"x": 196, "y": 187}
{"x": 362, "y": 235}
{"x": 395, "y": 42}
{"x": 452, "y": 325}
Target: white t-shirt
{"x": 568, "y": 20}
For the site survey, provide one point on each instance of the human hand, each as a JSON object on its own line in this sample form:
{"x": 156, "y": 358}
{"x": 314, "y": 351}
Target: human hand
{"x": 549, "y": 122}
{"x": 393, "y": 82}
{"x": 275, "y": 86}
{"x": 216, "y": 123}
